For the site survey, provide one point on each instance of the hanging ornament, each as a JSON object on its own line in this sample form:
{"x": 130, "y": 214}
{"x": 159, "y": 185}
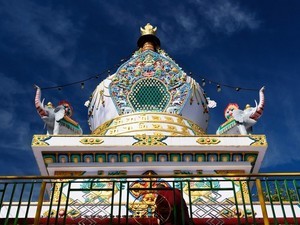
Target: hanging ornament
{"x": 203, "y": 82}
{"x": 219, "y": 88}
{"x": 82, "y": 85}
{"x": 237, "y": 89}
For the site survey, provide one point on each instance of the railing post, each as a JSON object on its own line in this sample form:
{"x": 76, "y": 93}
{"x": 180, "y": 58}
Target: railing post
{"x": 262, "y": 202}
{"x": 40, "y": 204}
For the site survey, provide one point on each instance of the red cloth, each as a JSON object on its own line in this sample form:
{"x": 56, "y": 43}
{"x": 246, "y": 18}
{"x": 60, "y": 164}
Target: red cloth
{"x": 171, "y": 208}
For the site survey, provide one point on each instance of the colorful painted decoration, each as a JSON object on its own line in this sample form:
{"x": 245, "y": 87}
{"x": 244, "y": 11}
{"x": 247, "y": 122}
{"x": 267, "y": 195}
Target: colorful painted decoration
{"x": 152, "y": 140}
{"x": 57, "y": 119}
{"x": 149, "y": 81}
{"x": 208, "y": 141}
{"x": 92, "y": 141}
{"x": 259, "y": 140}
{"x": 149, "y": 157}
{"x": 40, "y": 140}
{"x": 241, "y": 121}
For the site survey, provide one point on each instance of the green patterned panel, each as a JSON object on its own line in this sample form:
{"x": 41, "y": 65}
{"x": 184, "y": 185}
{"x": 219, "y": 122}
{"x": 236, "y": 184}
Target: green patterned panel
{"x": 149, "y": 94}
{"x": 48, "y": 159}
{"x": 250, "y": 158}
{"x": 200, "y": 157}
{"x": 100, "y": 158}
{"x": 175, "y": 157}
{"x": 125, "y": 157}
{"x": 75, "y": 158}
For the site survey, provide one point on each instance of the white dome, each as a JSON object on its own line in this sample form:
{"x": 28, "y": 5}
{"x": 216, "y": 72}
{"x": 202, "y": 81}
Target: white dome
{"x": 149, "y": 82}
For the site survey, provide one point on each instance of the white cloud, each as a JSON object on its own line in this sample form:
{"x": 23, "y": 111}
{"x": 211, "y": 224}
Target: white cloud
{"x": 177, "y": 26}
{"x": 184, "y": 26}
{"x": 184, "y": 34}
{"x": 14, "y": 119}
{"x": 226, "y": 16}
{"x": 118, "y": 14}
{"x": 11, "y": 87}
{"x": 185, "y": 18}
{"x": 6, "y": 119}
{"x": 45, "y": 31}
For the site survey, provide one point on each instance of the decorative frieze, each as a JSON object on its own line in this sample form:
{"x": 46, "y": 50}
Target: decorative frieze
{"x": 159, "y": 156}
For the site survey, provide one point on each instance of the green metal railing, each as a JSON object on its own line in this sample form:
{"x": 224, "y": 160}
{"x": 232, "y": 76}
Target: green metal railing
{"x": 211, "y": 199}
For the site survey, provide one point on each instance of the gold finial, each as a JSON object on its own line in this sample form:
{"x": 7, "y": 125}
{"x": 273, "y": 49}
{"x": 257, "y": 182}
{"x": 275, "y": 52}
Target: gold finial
{"x": 247, "y": 106}
{"x": 50, "y": 105}
{"x": 148, "y": 29}
{"x": 148, "y": 39}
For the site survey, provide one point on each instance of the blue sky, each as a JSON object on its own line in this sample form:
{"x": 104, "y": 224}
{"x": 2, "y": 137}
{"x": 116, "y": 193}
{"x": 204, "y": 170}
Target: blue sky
{"x": 240, "y": 43}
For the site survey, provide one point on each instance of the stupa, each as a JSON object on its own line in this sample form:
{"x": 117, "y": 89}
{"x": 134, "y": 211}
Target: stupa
{"x": 148, "y": 125}
{"x": 150, "y": 116}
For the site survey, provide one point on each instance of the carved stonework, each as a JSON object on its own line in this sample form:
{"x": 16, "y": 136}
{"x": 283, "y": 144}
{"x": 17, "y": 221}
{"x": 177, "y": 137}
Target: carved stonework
{"x": 208, "y": 141}
{"x": 39, "y": 140}
{"x": 152, "y": 140}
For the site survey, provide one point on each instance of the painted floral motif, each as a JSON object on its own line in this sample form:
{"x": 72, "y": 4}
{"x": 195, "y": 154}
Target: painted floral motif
{"x": 258, "y": 140}
{"x": 40, "y": 140}
{"x": 150, "y": 140}
{"x": 208, "y": 141}
{"x": 91, "y": 141}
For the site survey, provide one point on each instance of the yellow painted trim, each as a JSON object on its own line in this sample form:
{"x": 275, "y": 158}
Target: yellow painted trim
{"x": 259, "y": 140}
{"x": 290, "y": 174}
{"x": 40, "y": 204}
{"x": 262, "y": 202}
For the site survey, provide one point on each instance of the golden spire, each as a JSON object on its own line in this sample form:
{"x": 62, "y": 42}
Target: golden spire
{"x": 148, "y": 39}
{"x": 148, "y": 30}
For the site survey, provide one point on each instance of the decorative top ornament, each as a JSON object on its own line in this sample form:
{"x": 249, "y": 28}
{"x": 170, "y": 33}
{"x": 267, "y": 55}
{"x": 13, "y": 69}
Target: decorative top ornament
{"x": 148, "y": 30}
{"x": 150, "y": 82}
{"x": 148, "y": 39}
